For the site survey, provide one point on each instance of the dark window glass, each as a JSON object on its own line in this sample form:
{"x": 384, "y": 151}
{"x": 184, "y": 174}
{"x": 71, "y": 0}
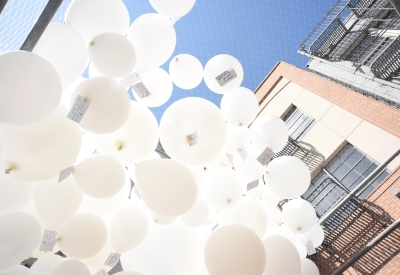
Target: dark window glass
{"x": 299, "y": 124}
{"x": 350, "y": 167}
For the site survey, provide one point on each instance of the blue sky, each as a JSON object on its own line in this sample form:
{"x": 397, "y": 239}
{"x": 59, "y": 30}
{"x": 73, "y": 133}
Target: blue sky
{"x": 259, "y": 33}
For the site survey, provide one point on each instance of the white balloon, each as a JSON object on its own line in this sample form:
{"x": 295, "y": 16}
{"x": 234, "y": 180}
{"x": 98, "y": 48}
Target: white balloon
{"x": 17, "y": 270}
{"x": 109, "y": 206}
{"x": 315, "y": 235}
{"x": 154, "y": 40}
{"x": 109, "y": 106}
{"x": 308, "y": 267}
{"x": 132, "y": 168}
{"x": 271, "y": 132}
{"x": 128, "y": 228}
{"x": 87, "y": 149}
{"x": 19, "y": 235}
{"x": 31, "y": 210}
{"x": 96, "y": 262}
{"x": 82, "y": 236}
{"x": 69, "y": 267}
{"x": 301, "y": 245}
{"x": 159, "y": 84}
{"x": 46, "y": 264}
{"x": 198, "y": 173}
{"x": 30, "y": 88}
{"x": 108, "y": 16}
{"x": 40, "y": 151}
{"x": 198, "y": 215}
{"x": 93, "y": 72}
{"x": 237, "y": 137}
{"x": 66, "y": 50}
{"x": 186, "y": 71}
{"x": 239, "y": 107}
{"x": 168, "y": 249}
{"x": 222, "y": 188}
{"x": 174, "y": 9}
{"x": 234, "y": 250}
{"x": 189, "y": 116}
{"x": 216, "y": 66}
{"x": 287, "y": 185}
{"x": 247, "y": 212}
{"x": 166, "y": 186}
{"x": 219, "y": 161}
{"x": 269, "y": 199}
{"x": 274, "y": 219}
{"x": 284, "y": 232}
{"x": 99, "y": 176}
{"x": 160, "y": 219}
{"x": 112, "y": 54}
{"x": 134, "y": 141}
{"x": 299, "y": 216}
{"x": 67, "y": 93}
{"x": 56, "y": 202}
{"x": 251, "y": 169}
{"x": 282, "y": 256}
{"x": 14, "y": 194}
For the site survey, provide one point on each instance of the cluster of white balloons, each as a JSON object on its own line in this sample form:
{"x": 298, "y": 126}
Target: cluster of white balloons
{"x": 210, "y": 209}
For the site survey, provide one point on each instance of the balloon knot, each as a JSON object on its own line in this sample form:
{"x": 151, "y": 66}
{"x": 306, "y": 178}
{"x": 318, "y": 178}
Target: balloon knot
{"x": 176, "y": 59}
{"x": 229, "y": 201}
{"x": 298, "y": 228}
{"x": 8, "y": 170}
{"x": 91, "y": 43}
{"x": 120, "y": 147}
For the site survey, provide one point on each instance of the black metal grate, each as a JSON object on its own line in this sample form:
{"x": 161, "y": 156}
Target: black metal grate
{"x": 359, "y": 7}
{"x": 329, "y": 38}
{"x": 388, "y": 63}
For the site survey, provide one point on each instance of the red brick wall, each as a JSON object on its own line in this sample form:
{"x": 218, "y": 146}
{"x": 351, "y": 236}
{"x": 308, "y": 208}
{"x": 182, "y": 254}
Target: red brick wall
{"x": 383, "y": 203}
{"x": 377, "y": 113}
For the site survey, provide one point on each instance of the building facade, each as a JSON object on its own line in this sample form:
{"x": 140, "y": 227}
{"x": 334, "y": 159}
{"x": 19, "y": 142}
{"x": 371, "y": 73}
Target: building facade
{"x": 342, "y": 136}
{"x": 357, "y": 44}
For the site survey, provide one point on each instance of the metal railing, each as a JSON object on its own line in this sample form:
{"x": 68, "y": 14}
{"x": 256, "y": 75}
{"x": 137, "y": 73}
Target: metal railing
{"x": 387, "y": 64}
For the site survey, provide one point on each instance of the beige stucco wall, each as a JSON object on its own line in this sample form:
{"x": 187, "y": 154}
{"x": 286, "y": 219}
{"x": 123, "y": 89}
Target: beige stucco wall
{"x": 335, "y": 126}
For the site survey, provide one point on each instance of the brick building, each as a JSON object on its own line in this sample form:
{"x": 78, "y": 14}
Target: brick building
{"x": 343, "y": 136}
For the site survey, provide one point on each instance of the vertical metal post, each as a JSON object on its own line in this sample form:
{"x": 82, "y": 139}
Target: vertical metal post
{"x": 3, "y": 3}
{"x": 396, "y": 5}
{"x": 41, "y": 25}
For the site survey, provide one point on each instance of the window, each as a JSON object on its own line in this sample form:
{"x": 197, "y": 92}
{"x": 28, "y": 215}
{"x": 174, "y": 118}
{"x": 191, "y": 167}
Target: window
{"x": 299, "y": 124}
{"x": 342, "y": 174}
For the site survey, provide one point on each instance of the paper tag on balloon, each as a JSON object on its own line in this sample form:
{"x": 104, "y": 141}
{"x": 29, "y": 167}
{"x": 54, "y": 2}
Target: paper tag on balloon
{"x": 65, "y": 173}
{"x": 193, "y": 139}
{"x": 252, "y": 185}
{"x": 112, "y": 260}
{"x": 265, "y": 156}
{"x": 79, "y": 109}
{"x": 310, "y": 248}
{"x": 131, "y": 79}
{"x": 49, "y": 240}
{"x": 242, "y": 153}
{"x": 226, "y": 77}
{"x": 141, "y": 90}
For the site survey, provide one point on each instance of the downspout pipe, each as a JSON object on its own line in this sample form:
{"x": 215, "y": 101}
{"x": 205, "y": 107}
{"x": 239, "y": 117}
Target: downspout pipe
{"x": 367, "y": 248}
{"x": 3, "y": 3}
{"x": 41, "y": 24}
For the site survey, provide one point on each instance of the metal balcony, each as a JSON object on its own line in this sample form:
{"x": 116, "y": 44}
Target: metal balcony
{"x": 387, "y": 64}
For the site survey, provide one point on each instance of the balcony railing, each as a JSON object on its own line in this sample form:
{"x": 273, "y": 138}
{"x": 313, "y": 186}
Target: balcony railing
{"x": 387, "y": 64}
